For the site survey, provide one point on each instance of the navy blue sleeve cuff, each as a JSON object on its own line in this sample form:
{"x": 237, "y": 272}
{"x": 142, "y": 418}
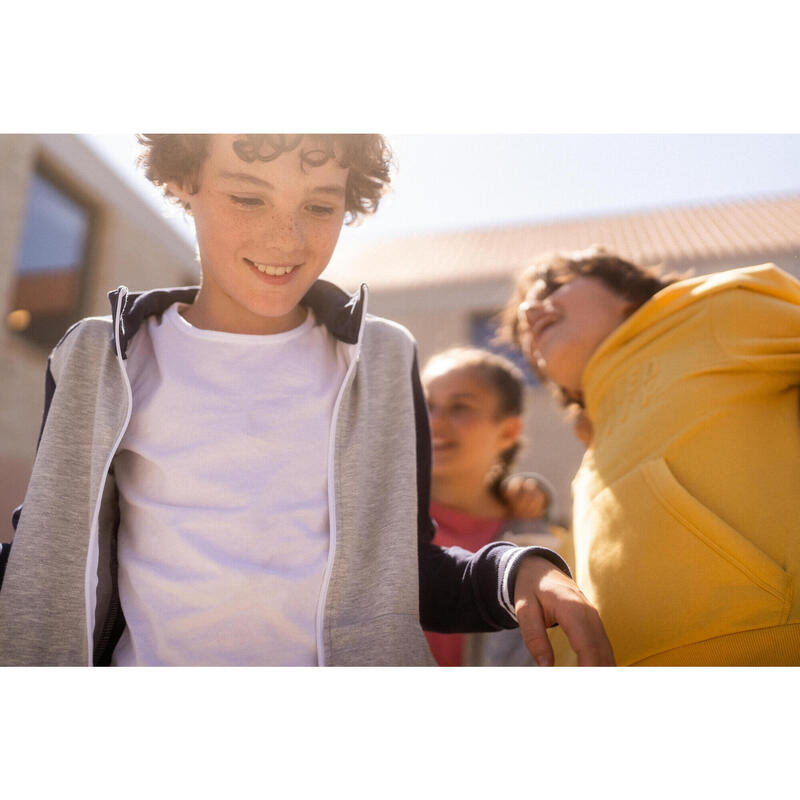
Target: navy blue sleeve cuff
{"x": 510, "y": 567}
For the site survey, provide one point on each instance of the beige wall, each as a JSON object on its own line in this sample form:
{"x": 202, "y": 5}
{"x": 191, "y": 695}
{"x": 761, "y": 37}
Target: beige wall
{"x": 131, "y": 245}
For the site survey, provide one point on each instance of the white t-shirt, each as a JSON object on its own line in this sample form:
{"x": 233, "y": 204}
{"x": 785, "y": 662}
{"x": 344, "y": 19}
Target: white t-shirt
{"x": 223, "y": 482}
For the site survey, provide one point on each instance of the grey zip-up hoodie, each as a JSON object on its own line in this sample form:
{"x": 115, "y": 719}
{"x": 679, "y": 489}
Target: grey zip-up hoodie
{"x": 384, "y": 579}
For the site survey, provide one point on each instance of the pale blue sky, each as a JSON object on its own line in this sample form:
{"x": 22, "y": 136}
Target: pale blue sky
{"x": 447, "y": 182}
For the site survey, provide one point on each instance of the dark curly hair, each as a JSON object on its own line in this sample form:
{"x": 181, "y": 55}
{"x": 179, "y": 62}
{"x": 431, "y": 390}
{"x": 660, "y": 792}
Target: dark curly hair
{"x": 178, "y": 157}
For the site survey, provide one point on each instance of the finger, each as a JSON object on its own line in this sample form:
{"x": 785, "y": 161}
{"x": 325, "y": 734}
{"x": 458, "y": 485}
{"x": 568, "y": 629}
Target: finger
{"x": 587, "y": 637}
{"x": 525, "y": 497}
{"x": 536, "y": 497}
{"x": 525, "y": 486}
{"x": 512, "y": 486}
{"x": 534, "y": 633}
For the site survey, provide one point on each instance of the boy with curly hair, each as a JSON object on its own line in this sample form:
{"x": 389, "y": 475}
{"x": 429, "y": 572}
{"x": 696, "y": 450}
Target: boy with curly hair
{"x": 239, "y": 474}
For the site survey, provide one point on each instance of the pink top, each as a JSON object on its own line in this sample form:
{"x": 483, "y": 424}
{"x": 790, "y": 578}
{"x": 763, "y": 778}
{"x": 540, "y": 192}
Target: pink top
{"x": 457, "y": 528}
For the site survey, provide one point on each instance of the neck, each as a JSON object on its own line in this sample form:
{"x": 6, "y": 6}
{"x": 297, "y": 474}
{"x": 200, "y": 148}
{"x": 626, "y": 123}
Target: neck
{"x": 208, "y": 314}
{"x": 468, "y": 495}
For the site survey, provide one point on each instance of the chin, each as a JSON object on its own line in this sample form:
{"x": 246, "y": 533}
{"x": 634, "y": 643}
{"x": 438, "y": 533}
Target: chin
{"x": 269, "y": 309}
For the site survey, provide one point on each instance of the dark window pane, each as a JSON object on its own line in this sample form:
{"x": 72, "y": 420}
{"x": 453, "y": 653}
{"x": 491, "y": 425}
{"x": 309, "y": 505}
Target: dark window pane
{"x": 483, "y": 331}
{"x": 52, "y": 256}
{"x": 56, "y": 228}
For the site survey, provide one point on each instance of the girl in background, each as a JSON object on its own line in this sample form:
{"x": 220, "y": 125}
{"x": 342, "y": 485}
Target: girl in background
{"x": 475, "y": 400}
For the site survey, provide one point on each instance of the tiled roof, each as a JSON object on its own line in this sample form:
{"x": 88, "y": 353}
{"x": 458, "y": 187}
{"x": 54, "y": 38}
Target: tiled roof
{"x": 675, "y": 237}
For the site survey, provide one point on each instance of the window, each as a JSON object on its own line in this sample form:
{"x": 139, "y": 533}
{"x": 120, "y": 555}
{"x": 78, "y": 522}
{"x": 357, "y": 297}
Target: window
{"x": 51, "y": 263}
{"x": 484, "y": 329}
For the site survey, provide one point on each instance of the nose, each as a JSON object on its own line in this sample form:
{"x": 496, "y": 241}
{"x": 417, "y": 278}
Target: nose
{"x": 438, "y": 418}
{"x": 529, "y": 309}
{"x": 285, "y": 232}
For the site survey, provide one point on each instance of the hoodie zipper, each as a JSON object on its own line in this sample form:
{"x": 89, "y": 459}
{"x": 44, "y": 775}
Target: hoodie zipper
{"x": 92, "y": 556}
{"x": 323, "y": 595}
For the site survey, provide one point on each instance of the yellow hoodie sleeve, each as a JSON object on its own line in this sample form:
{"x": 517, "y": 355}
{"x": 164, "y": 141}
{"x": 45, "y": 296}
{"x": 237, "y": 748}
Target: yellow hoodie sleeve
{"x": 761, "y": 330}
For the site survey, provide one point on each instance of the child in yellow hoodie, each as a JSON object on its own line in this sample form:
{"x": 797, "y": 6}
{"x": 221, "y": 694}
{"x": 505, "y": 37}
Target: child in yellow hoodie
{"x": 687, "y": 503}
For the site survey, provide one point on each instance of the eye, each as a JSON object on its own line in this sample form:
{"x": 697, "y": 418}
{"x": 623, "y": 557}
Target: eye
{"x": 320, "y": 210}
{"x": 247, "y": 201}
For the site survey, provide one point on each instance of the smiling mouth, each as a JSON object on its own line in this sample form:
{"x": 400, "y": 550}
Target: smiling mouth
{"x": 275, "y": 270}
{"x": 442, "y": 444}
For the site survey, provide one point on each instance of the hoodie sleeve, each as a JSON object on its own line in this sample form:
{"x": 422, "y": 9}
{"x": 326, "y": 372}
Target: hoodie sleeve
{"x": 462, "y": 591}
{"x": 759, "y": 325}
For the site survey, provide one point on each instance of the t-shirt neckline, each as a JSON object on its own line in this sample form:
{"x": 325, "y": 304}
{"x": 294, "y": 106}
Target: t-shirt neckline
{"x": 173, "y": 317}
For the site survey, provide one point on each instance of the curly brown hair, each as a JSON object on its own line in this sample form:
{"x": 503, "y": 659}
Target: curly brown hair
{"x": 634, "y": 283}
{"x": 178, "y": 157}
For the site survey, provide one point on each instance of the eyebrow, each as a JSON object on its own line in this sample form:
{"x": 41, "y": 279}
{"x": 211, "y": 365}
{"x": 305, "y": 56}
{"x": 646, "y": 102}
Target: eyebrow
{"x": 246, "y": 177}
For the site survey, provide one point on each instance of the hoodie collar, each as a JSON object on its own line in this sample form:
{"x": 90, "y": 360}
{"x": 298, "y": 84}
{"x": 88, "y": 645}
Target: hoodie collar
{"x": 340, "y": 312}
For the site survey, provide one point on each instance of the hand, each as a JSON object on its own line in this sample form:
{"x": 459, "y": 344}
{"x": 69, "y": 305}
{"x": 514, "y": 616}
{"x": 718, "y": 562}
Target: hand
{"x": 525, "y": 498}
{"x": 544, "y": 595}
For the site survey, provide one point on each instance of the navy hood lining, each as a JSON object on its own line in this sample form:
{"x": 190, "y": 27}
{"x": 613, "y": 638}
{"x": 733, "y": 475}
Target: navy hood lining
{"x": 340, "y": 312}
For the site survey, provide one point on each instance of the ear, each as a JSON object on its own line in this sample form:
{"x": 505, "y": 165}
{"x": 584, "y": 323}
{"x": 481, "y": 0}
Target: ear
{"x": 178, "y": 190}
{"x": 509, "y": 432}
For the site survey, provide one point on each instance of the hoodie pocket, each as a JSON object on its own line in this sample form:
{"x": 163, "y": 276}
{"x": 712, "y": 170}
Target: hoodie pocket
{"x": 724, "y": 540}
{"x": 665, "y": 571}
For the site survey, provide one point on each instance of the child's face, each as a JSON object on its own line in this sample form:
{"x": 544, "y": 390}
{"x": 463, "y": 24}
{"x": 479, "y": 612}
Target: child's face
{"x": 265, "y": 231}
{"x": 560, "y": 332}
{"x": 467, "y": 435}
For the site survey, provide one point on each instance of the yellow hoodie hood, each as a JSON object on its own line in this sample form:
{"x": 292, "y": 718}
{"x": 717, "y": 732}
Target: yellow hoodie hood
{"x": 687, "y": 509}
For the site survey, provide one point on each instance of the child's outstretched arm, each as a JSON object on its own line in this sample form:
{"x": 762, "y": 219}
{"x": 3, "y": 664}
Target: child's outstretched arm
{"x": 544, "y": 596}
{"x": 469, "y": 592}
{"x": 503, "y": 585}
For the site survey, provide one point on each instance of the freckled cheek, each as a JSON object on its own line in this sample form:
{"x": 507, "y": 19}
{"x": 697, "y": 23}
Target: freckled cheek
{"x": 230, "y": 246}
{"x": 225, "y": 233}
{"x": 247, "y": 232}
{"x": 324, "y": 241}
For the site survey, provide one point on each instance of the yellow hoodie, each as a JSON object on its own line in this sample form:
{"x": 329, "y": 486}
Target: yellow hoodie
{"x": 687, "y": 503}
